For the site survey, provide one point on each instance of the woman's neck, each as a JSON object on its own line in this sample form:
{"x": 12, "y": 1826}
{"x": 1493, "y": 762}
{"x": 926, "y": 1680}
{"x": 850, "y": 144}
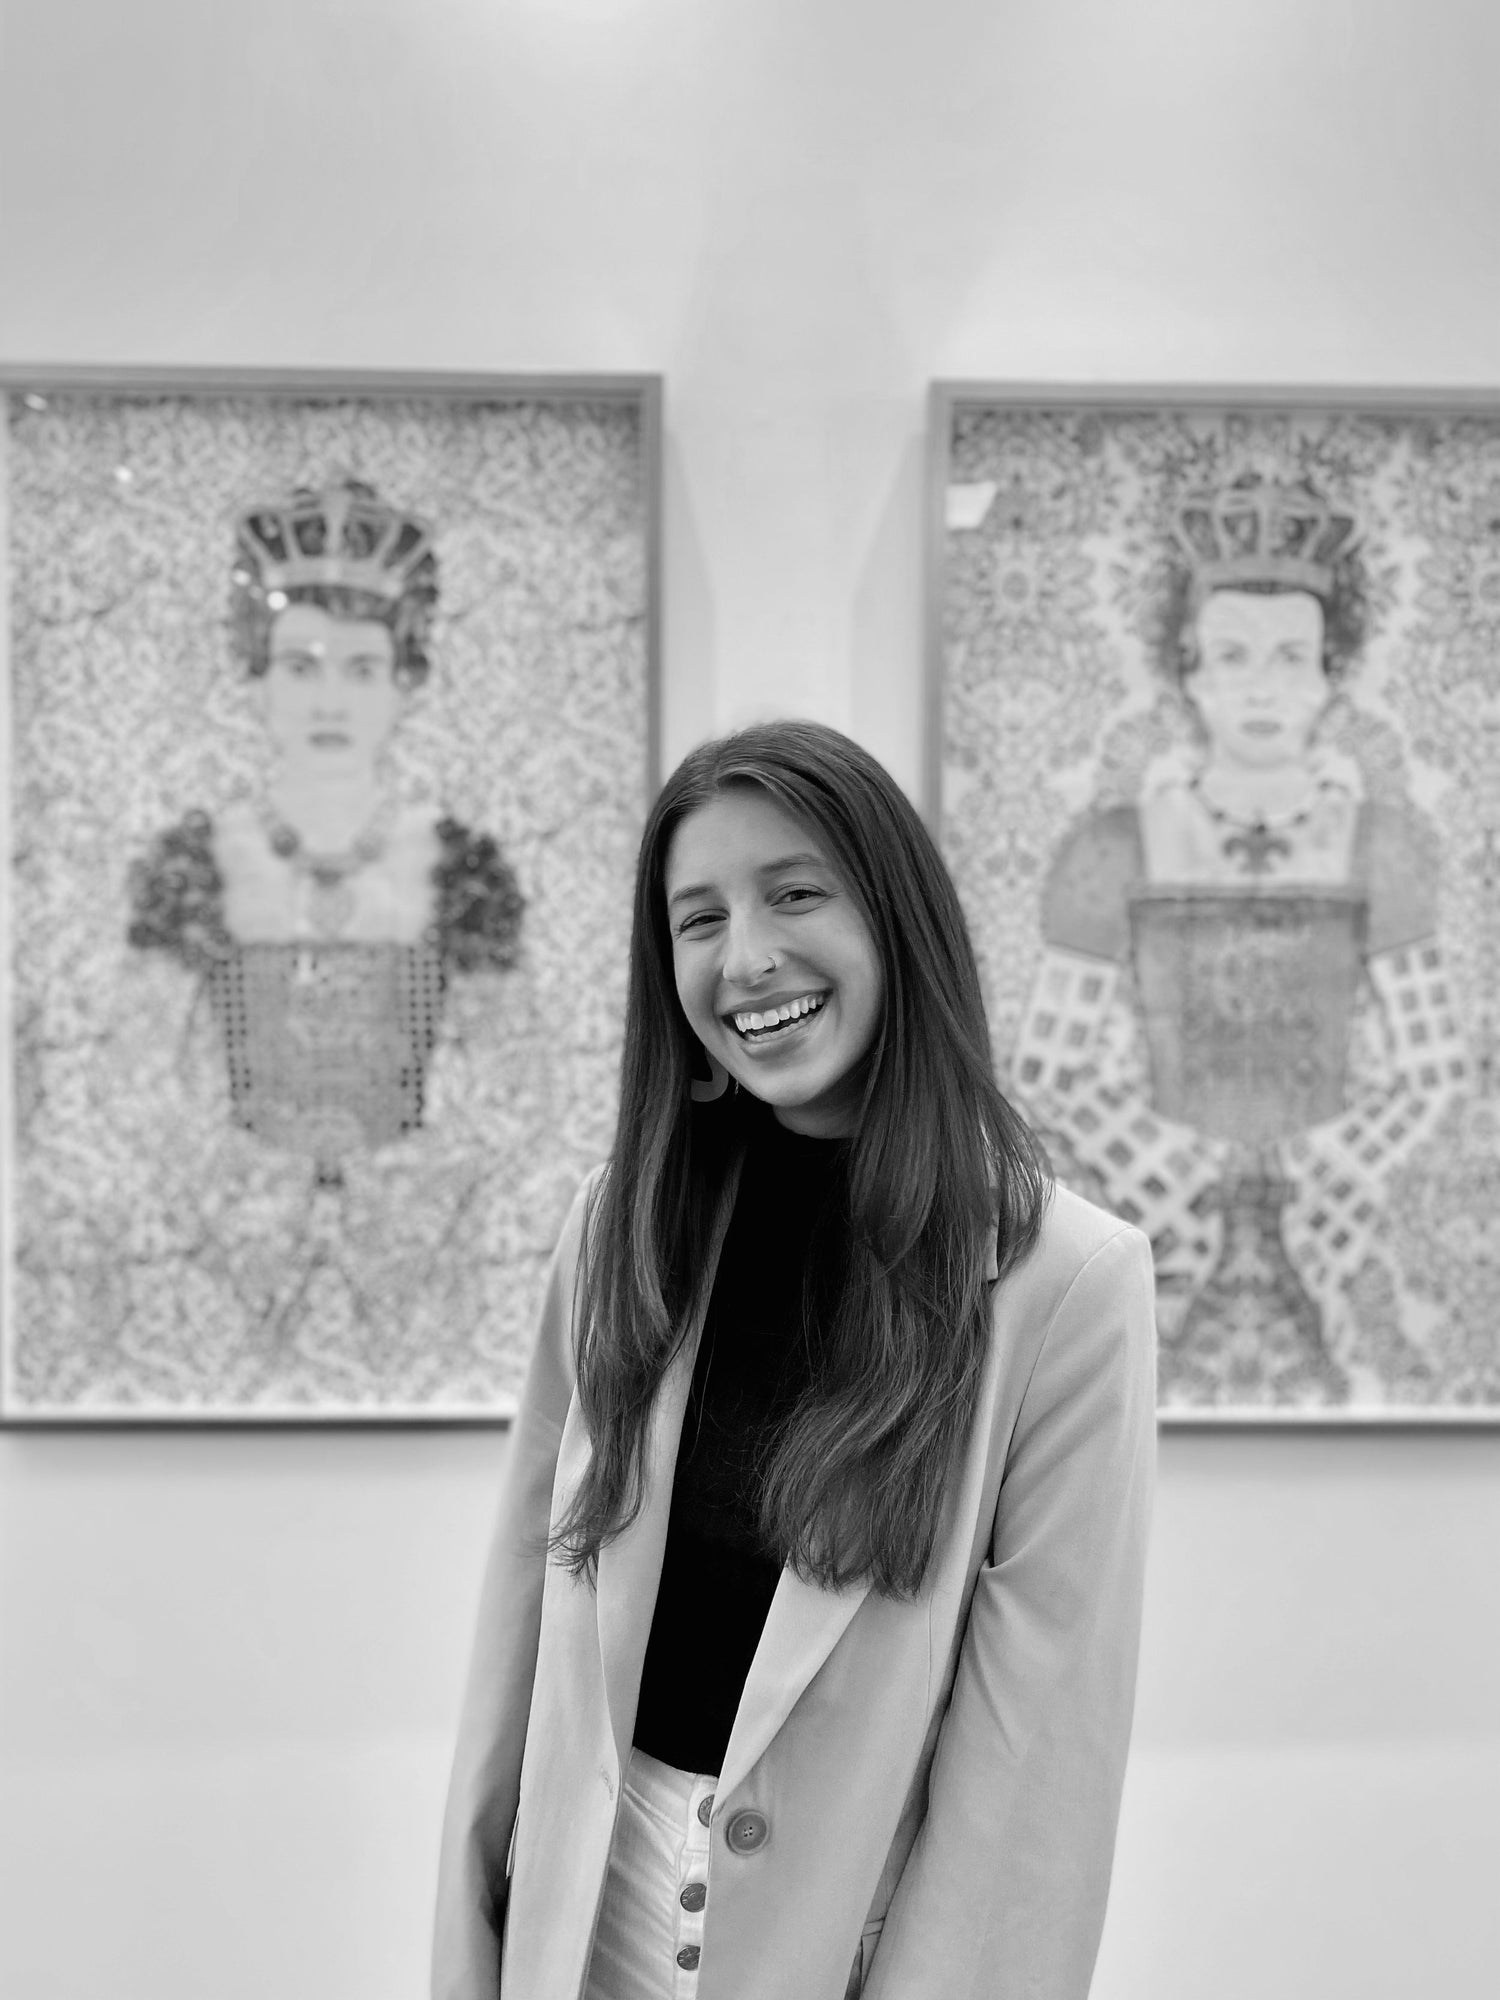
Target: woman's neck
{"x": 1257, "y": 792}
{"x": 330, "y": 812}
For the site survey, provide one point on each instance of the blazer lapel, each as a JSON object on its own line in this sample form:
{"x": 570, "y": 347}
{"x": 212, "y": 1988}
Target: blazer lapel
{"x": 802, "y": 1628}
{"x": 630, "y": 1565}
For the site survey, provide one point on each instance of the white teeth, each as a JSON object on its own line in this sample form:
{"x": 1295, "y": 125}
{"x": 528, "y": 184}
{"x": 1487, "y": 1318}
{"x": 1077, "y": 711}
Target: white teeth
{"x": 791, "y": 1010}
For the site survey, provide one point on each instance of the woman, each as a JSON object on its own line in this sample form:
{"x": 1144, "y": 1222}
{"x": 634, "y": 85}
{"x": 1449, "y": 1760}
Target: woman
{"x": 807, "y": 1645}
{"x": 1241, "y": 1023}
{"x": 326, "y": 915}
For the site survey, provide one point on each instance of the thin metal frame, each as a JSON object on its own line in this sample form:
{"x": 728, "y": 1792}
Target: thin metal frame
{"x": 944, "y": 400}
{"x": 644, "y": 391}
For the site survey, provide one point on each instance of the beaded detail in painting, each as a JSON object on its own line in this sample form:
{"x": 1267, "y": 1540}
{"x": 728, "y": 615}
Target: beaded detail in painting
{"x": 329, "y": 727}
{"x": 1220, "y": 785}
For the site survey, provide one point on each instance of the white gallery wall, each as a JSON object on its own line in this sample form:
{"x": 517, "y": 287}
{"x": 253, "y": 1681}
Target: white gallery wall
{"x": 229, "y": 1664}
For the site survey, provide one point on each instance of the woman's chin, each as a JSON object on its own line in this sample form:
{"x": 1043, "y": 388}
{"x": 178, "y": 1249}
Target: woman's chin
{"x": 322, "y": 766}
{"x": 1260, "y": 753}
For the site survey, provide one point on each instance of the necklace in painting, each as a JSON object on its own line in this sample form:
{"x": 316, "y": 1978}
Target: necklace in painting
{"x": 1254, "y": 844}
{"x": 330, "y": 894}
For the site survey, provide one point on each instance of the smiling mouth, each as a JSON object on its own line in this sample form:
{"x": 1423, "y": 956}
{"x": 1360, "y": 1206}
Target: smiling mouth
{"x": 776, "y": 1023}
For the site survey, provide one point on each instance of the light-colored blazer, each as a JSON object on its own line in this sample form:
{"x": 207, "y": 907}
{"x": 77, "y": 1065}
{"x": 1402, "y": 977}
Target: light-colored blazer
{"x": 941, "y": 1777}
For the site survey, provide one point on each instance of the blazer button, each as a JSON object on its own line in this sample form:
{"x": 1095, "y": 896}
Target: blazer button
{"x": 706, "y": 1809}
{"x": 688, "y": 1957}
{"x": 747, "y": 1831}
{"x": 694, "y": 1896}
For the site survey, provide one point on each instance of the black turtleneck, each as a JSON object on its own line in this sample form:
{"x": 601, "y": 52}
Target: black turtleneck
{"x": 777, "y": 1279}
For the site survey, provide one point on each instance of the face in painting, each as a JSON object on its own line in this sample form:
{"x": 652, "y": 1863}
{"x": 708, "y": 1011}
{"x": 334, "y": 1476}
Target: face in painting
{"x": 1259, "y": 684}
{"x": 330, "y": 694}
{"x": 776, "y": 969}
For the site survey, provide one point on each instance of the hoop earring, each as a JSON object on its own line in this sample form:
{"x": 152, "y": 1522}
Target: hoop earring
{"x": 714, "y": 1088}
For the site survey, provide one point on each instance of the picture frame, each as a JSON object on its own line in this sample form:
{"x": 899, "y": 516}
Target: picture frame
{"x": 332, "y": 719}
{"x": 1213, "y": 727}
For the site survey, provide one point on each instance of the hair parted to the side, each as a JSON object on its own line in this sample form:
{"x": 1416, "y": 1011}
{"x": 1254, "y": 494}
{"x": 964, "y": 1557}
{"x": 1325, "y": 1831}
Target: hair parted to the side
{"x": 940, "y": 1170}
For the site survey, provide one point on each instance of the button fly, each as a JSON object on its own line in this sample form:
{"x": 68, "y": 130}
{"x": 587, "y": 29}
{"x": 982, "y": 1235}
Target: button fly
{"x": 747, "y": 1831}
{"x": 688, "y": 1957}
{"x": 706, "y": 1809}
{"x": 694, "y": 1896}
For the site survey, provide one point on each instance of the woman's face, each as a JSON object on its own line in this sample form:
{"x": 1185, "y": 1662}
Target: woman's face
{"x": 776, "y": 969}
{"x": 330, "y": 694}
{"x": 1259, "y": 684}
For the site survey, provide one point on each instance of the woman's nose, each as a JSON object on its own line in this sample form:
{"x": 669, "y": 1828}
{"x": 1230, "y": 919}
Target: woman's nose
{"x": 749, "y": 951}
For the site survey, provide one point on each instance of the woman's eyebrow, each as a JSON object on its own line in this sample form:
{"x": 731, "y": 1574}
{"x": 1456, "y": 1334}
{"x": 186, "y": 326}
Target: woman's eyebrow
{"x": 804, "y": 860}
{"x": 808, "y": 860}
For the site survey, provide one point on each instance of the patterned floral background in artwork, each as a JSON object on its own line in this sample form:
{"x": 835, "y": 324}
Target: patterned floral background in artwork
{"x": 1055, "y": 702}
{"x": 165, "y": 1262}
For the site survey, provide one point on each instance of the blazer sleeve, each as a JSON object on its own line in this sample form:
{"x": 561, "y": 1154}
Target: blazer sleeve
{"x": 486, "y": 1777}
{"x": 1005, "y": 1887}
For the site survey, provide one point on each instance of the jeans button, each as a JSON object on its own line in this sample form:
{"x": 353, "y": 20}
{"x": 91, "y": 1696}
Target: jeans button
{"x": 688, "y": 1957}
{"x": 694, "y": 1896}
{"x": 706, "y": 1809}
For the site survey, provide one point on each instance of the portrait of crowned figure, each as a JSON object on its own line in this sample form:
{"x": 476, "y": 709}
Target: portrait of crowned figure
{"x": 1240, "y": 1023}
{"x": 331, "y": 722}
{"x": 326, "y": 918}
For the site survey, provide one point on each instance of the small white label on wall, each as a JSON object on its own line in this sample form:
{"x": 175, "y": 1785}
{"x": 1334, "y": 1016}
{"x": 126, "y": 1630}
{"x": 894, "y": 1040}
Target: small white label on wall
{"x": 968, "y": 504}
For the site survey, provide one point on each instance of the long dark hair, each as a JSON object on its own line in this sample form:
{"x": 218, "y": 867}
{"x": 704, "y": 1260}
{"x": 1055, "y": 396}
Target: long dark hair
{"x": 939, "y": 1170}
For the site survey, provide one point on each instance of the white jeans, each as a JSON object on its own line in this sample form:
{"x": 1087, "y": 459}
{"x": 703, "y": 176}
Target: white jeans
{"x": 650, "y": 1931}
{"x": 651, "y": 1921}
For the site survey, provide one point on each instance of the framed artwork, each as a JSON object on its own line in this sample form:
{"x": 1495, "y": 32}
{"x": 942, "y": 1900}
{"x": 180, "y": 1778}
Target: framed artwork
{"x": 331, "y": 731}
{"x": 1215, "y": 758}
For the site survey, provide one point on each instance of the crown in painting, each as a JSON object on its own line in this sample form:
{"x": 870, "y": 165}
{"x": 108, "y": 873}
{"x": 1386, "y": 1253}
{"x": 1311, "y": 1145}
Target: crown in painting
{"x": 342, "y": 534}
{"x": 1258, "y": 531}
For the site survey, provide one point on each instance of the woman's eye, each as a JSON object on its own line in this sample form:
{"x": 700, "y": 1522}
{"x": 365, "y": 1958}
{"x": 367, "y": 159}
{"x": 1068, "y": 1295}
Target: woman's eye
{"x": 800, "y": 894}
{"x": 699, "y": 920}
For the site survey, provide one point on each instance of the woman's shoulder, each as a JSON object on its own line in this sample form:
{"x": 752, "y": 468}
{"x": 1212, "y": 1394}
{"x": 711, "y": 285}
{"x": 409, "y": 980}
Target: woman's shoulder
{"x": 1074, "y": 1231}
{"x": 1073, "y": 1226}
{"x": 579, "y": 1219}
{"x": 1400, "y": 864}
{"x": 177, "y": 894}
{"x": 479, "y": 901}
{"x": 1082, "y": 1252}
{"x": 551, "y": 1376}
{"x": 191, "y": 836}
{"x": 1074, "y": 1323}
{"x": 1084, "y": 903}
